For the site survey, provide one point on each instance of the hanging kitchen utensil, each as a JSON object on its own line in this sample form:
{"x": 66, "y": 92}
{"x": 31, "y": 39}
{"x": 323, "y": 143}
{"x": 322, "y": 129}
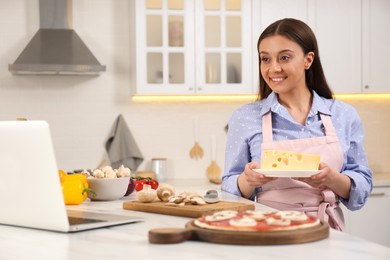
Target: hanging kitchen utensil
{"x": 196, "y": 151}
{"x": 100, "y": 165}
{"x": 213, "y": 171}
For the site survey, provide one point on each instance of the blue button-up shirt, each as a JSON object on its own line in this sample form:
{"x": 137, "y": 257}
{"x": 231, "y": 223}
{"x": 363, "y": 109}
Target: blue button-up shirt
{"x": 245, "y": 138}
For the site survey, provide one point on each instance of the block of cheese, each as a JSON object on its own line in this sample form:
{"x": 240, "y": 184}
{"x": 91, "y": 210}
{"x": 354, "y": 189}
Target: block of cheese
{"x": 283, "y": 160}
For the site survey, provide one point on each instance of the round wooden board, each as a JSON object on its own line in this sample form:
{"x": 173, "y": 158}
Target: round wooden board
{"x": 278, "y": 237}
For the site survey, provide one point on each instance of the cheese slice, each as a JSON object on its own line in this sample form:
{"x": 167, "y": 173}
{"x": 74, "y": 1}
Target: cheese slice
{"x": 283, "y": 160}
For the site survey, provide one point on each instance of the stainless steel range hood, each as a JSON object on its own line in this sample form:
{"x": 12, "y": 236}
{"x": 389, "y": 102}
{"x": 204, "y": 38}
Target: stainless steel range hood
{"x": 56, "y": 48}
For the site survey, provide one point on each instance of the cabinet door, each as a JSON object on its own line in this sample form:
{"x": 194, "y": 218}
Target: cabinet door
{"x": 164, "y": 47}
{"x": 223, "y": 46}
{"x": 376, "y": 42}
{"x": 337, "y": 25}
{"x": 372, "y": 221}
{"x": 273, "y": 10}
{"x": 193, "y": 47}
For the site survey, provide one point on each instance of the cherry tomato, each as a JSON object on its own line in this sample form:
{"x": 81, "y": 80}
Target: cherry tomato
{"x": 139, "y": 184}
{"x": 153, "y": 184}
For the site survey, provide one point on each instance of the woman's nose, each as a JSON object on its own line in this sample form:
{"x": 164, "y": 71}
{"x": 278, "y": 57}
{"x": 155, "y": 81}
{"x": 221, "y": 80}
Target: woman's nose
{"x": 275, "y": 67}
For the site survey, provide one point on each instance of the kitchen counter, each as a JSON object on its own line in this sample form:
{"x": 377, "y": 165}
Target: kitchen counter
{"x": 131, "y": 241}
{"x": 381, "y": 179}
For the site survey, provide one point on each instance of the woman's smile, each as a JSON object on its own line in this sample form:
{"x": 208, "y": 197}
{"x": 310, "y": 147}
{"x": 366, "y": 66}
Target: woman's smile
{"x": 277, "y": 80}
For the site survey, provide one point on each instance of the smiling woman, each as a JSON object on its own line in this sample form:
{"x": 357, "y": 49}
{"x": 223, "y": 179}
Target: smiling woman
{"x": 290, "y": 45}
{"x": 296, "y": 112}
{"x": 283, "y": 66}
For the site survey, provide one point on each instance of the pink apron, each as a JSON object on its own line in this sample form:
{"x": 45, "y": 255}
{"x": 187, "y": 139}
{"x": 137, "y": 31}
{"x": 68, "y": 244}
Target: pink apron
{"x": 290, "y": 194}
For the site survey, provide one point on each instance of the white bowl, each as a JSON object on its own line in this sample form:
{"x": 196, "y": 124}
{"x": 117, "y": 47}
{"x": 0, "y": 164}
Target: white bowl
{"x": 107, "y": 188}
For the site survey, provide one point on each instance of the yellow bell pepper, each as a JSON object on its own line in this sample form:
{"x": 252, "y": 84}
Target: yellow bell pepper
{"x": 74, "y": 188}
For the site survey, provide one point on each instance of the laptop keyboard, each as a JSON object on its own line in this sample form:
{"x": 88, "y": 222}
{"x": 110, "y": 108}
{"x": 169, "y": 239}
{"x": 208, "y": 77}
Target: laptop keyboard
{"x": 78, "y": 221}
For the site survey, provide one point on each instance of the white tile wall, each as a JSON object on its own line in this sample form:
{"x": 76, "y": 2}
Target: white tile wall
{"x": 81, "y": 110}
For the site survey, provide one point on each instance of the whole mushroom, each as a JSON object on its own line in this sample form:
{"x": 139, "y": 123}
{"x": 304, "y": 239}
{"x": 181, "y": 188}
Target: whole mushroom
{"x": 147, "y": 194}
{"x": 164, "y": 191}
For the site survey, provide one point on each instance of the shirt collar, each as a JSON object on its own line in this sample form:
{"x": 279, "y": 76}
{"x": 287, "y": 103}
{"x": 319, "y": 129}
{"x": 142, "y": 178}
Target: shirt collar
{"x": 319, "y": 105}
{"x": 271, "y": 103}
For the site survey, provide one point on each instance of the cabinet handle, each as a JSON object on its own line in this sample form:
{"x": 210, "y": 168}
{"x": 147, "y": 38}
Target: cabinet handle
{"x": 377, "y": 194}
{"x": 366, "y": 86}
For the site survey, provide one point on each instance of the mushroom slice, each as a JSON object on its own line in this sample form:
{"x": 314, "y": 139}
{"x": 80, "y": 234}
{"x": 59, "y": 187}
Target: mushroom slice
{"x": 197, "y": 200}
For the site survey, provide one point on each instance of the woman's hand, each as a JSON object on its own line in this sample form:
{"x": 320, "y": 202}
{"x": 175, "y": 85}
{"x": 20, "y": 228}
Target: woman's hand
{"x": 249, "y": 179}
{"x": 329, "y": 178}
{"x": 255, "y": 179}
{"x": 322, "y": 179}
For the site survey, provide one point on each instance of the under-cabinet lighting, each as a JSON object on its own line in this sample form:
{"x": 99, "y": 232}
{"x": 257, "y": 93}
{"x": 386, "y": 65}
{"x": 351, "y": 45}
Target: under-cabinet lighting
{"x": 239, "y": 98}
{"x": 192, "y": 98}
{"x": 376, "y": 96}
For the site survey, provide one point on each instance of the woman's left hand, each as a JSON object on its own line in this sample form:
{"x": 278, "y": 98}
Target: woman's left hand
{"x": 322, "y": 179}
{"x": 329, "y": 178}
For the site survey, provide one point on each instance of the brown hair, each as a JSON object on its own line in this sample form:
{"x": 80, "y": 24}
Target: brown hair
{"x": 300, "y": 33}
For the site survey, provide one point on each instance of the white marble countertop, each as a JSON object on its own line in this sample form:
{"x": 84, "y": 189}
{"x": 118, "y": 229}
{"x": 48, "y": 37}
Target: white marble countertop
{"x": 131, "y": 241}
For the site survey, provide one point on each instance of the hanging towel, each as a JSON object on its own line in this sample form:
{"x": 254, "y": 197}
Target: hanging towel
{"x": 121, "y": 146}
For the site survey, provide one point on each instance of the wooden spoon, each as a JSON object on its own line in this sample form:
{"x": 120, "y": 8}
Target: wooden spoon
{"x": 196, "y": 151}
{"x": 213, "y": 171}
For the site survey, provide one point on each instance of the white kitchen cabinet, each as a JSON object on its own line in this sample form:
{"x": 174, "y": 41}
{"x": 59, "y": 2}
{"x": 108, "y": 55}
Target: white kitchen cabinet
{"x": 193, "y": 47}
{"x": 339, "y": 38}
{"x": 337, "y": 26}
{"x": 372, "y": 221}
{"x": 376, "y": 42}
{"x": 272, "y": 10}
{"x": 353, "y": 48}
{"x": 209, "y": 46}
{"x": 352, "y": 43}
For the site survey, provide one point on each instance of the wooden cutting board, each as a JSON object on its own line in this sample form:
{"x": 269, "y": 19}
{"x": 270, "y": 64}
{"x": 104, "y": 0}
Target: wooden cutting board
{"x": 192, "y": 211}
{"x": 192, "y": 232}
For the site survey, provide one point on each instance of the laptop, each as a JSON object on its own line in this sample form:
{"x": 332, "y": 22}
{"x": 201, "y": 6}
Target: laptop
{"x": 30, "y": 189}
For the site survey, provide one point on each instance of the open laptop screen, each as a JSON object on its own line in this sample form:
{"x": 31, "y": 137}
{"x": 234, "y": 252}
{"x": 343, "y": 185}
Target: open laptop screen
{"x": 30, "y": 188}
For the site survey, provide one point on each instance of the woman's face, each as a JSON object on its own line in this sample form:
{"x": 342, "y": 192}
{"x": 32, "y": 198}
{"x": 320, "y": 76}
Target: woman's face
{"x": 283, "y": 64}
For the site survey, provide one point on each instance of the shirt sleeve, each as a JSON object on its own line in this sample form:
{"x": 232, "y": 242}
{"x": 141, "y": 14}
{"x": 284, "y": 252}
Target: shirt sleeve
{"x": 237, "y": 152}
{"x": 356, "y": 166}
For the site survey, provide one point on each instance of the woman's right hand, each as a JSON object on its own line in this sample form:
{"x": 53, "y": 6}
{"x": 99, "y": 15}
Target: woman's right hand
{"x": 249, "y": 179}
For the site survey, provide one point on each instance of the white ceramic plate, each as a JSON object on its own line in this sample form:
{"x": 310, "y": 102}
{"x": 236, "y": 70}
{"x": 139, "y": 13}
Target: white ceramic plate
{"x": 286, "y": 173}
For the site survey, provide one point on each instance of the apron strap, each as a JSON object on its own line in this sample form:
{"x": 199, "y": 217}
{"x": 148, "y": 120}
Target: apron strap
{"x": 327, "y": 122}
{"x": 267, "y": 128}
{"x": 330, "y": 211}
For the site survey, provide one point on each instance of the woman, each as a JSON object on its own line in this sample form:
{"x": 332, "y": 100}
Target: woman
{"x": 296, "y": 112}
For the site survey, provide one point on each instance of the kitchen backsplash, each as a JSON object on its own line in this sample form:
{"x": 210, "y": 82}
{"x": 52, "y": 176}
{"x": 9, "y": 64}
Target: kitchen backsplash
{"x": 81, "y": 110}
{"x": 376, "y": 120}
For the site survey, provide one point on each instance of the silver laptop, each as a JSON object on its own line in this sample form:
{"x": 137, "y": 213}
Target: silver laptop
{"x": 30, "y": 190}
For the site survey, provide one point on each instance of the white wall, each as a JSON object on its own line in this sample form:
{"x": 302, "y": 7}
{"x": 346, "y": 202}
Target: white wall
{"x": 81, "y": 109}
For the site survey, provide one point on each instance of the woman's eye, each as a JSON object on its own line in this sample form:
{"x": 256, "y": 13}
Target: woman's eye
{"x": 284, "y": 58}
{"x": 264, "y": 59}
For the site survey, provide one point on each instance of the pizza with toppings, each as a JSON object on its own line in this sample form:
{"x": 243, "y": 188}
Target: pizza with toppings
{"x": 256, "y": 220}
